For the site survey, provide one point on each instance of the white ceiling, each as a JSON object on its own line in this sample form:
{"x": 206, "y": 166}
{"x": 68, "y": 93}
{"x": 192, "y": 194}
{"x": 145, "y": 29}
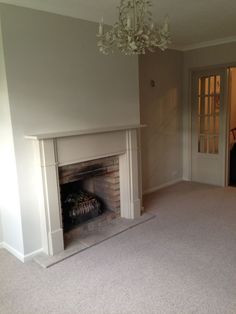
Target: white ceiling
{"x": 193, "y": 22}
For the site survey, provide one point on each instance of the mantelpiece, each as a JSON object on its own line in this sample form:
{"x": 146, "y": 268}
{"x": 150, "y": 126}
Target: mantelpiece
{"x": 65, "y": 148}
{"x": 44, "y": 136}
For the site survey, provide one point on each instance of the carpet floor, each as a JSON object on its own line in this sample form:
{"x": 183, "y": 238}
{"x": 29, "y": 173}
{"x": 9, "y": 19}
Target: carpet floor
{"x": 181, "y": 262}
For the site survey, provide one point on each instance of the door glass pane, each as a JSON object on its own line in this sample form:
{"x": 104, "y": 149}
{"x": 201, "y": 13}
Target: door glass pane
{"x": 202, "y": 144}
{"x": 206, "y": 105}
{"x": 199, "y": 105}
{"x": 206, "y": 85}
{"x": 216, "y": 145}
{"x": 203, "y": 123}
{"x": 211, "y": 145}
{"x": 217, "y": 124}
{"x": 217, "y": 84}
{"x": 212, "y": 85}
{"x": 212, "y": 104}
{"x": 217, "y": 104}
{"x": 199, "y": 87}
{"x": 211, "y": 125}
{"x": 208, "y": 114}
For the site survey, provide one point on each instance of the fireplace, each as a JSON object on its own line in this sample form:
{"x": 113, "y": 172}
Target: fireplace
{"x": 60, "y": 153}
{"x": 89, "y": 189}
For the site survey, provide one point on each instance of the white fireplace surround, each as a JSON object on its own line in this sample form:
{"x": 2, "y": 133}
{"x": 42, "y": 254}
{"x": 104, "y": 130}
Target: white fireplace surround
{"x": 61, "y": 149}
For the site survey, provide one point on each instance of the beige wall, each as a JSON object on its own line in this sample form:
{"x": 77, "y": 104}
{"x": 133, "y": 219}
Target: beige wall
{"x": 200, "y": 58}
{"x": 58, "y": 81}
{"x": 161, "y": 111}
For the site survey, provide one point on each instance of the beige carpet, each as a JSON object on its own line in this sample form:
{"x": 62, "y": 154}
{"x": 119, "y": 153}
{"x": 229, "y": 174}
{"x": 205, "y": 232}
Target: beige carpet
{"x": 181, "y": 262}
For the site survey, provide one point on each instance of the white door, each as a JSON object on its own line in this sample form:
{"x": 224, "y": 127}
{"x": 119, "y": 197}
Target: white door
{"x": 209, "y": 126}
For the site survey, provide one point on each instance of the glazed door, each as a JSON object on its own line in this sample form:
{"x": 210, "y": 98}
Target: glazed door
{"x": 209, "y": 127}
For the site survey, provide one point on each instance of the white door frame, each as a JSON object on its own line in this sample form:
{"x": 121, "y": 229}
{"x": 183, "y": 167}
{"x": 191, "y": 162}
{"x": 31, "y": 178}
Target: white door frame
{"x": 227, "y": 141}
{"x": 228, "y": 127}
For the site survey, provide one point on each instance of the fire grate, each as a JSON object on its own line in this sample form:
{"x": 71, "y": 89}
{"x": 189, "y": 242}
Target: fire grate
{"x": 79, "y": 207}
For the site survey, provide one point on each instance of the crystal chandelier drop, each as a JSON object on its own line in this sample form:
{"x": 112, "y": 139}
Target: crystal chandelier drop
{"x": 135, "y": 32}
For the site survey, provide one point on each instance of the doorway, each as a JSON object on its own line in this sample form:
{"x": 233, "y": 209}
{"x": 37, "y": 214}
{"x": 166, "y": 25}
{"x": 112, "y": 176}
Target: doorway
{"x": 208, "y": 154}
{"x": 232, "y": 128}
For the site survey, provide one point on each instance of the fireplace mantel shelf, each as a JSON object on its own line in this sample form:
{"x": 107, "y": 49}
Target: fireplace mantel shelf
{"x": 45, "y": 136}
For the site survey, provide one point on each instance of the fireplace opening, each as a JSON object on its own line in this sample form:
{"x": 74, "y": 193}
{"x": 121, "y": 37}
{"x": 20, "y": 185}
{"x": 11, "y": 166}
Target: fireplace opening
{"x": 79, "y": 205}
{"x": 89, "y": 190}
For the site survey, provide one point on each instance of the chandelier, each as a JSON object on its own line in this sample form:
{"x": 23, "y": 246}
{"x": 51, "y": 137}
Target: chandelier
{"x": 135, "y": 32}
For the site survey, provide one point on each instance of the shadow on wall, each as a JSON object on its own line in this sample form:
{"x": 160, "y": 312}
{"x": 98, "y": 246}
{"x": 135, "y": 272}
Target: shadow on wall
{"x": 161, "y": 111}
{"x": 160, "y": 139}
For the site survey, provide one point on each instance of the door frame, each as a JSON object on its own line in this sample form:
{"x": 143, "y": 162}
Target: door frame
{"x": 226, "y": 126}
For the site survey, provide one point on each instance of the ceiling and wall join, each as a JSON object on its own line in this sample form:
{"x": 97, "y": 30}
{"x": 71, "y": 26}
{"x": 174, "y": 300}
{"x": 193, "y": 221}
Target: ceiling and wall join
{"x": 194, "y": 23}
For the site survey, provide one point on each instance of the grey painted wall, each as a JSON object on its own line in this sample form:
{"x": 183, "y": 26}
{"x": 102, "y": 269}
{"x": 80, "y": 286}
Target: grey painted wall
{"x": 58, "y": 81}
{"x": 161, "y": 111}
{"x": 200, "y": 58}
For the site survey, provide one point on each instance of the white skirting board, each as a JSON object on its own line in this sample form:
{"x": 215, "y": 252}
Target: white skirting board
{"x": 187, "y": 179}
{"x": 23, "y": 258}
{"x": 159, "y": 187}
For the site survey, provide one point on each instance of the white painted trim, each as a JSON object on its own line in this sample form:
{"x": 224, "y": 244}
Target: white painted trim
{"x": 23, "y": 258}
{"x": 13, "y": 251}
{"x": 161, "y": 186}
{"x": 130, "y": 202}
{"x": 54, "y": 152}
{"x": 84, "y": 132}
{"x": 206, "y": 44}
{"x": 52, "y": 216}
{"x": 186, "y": 179}
{"x": 176, "y": 47}
{"x": 30, "y": 256}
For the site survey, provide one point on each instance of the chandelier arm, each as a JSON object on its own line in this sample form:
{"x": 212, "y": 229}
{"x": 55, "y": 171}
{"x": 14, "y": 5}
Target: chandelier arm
{"x": 135, "y": 14}
{"x": 122, "y": 11}
{"x": 134, "y": 37}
